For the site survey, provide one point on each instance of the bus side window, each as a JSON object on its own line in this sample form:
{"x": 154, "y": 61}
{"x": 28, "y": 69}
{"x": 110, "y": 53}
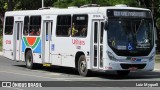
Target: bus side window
{"x": 79, "y": 25}
{"x": 26, "y": 25}
{"x": 83, "y": 32}
{"x": 63, "y": 25}
{"x": 35, "y": 24}
{"x": 9, "y": 25}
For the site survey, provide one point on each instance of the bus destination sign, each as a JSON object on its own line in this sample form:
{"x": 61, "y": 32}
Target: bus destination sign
{"x": 128, "y": 13}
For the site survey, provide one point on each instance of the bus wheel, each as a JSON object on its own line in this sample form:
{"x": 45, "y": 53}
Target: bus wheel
{"x": 123, "y": 72}
{"x": 82, "y": 66}
{"x": 29, "y": 60}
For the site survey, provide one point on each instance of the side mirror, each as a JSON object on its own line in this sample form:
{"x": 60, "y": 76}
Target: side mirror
{"x": 105, "y": 25}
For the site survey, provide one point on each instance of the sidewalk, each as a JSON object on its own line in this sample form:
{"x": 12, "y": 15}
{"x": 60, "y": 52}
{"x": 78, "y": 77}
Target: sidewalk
{"x": 157, "y": 63}
{"x": 157, "y": 67}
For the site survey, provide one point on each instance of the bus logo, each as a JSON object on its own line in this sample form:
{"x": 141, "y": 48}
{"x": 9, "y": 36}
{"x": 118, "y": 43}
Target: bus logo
{"x": 8, "y": 41}
{"x": 136, "y": 59}
{"x": 78, "y": 42}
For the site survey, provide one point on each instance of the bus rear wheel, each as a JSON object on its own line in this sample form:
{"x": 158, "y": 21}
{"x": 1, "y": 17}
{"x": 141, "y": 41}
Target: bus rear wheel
{"x": 82, "y": 66}
{"x": 29, "y": 60}
{"x": 123, "y": 72}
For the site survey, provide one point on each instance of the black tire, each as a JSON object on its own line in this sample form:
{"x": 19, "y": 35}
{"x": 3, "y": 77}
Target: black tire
{"x": 29, "y": 60}
{"x": 123, "y": 72}
{"x": 82, "y": 66}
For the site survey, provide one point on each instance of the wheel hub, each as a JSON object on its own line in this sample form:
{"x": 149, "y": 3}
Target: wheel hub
{"x": 29, "y": 61}
{"x": 83, "y": 66}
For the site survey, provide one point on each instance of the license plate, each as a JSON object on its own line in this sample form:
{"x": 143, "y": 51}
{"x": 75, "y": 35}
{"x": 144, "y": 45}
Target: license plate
{"x": 133, "y": 68}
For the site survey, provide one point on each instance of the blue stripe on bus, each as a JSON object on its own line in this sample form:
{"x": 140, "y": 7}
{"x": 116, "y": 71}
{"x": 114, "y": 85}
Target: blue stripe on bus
{"x": 23, "y": 46}
{"x": 38, "y": 48}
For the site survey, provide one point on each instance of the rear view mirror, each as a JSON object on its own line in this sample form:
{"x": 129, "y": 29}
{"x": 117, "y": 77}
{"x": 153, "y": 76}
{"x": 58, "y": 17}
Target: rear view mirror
{"x": 106, "y": 25}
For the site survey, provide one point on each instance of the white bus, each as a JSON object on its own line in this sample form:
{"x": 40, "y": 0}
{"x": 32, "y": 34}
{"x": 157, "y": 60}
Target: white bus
{"x": 116, "y": 38}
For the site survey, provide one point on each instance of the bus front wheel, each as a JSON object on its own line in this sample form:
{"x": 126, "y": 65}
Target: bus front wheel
{"x": 82, "y": 66}
{"x": 123, "y": 72}
{"x": 29, "y": 60}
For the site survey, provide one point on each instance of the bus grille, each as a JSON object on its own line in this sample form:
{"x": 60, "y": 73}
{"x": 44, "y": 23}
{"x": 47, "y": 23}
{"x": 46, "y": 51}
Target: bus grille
{"x": 138, "y": 66}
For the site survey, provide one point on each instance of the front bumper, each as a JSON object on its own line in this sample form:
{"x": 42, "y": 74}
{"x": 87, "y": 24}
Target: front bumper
{"x": 141, "y": 66}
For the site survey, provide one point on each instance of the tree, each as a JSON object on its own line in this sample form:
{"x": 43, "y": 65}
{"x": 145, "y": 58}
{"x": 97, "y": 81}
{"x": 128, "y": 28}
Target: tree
{"x": 10, "y": 5}
{"x": 67, "y": 3}
{"x": 3, "y": 8}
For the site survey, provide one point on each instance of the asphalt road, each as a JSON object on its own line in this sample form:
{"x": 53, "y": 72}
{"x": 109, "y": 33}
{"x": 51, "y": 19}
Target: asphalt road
{"x": 16, "y": 71}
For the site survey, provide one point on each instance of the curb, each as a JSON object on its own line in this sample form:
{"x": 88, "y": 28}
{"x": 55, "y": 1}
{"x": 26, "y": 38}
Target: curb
{"x": 156, "y": 69}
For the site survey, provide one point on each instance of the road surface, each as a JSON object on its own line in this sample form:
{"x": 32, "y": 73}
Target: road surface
{"x": 16, "y": 71}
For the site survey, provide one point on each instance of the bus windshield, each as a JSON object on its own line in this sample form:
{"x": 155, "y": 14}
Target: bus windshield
{"x": 130, "y": 37}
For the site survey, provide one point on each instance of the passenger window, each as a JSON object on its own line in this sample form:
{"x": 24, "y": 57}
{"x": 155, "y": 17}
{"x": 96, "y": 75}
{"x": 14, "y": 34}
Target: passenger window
{"x": 26, "y": 25}
{"x": 79, "y": 25}
{"x": 9, "y": 25}
{"x": 63, "y": 25}
{"x": 102, "y": 30}
{"x": 35, "y": 26}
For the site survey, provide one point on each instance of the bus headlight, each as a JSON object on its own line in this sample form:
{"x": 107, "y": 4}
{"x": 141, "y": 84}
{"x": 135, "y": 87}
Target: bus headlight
{"x": 111, "y": 56}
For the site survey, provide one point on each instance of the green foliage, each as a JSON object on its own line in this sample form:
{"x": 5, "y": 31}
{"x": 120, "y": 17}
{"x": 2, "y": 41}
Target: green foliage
{"x": 5, "y": 6}
{"x": 127, "y": 2}
{"x": 67, "y": 3}
{"x": 2, "y": 5}
{"x": 27, "y": 4}
{"x": 1, "y": 43}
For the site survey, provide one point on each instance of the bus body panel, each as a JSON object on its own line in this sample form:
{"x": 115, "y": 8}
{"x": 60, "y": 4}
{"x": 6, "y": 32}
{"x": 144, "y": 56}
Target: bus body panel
{"x": 8, "y": 46}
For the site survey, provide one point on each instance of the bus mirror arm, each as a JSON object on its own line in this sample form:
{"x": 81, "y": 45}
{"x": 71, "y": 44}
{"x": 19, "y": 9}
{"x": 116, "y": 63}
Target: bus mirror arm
{"x": 156, "y": 38}
{"x": 105, "y": 25}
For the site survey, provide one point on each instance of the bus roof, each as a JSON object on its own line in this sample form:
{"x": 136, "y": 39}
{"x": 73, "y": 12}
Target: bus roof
{"x": 52, "y": 11}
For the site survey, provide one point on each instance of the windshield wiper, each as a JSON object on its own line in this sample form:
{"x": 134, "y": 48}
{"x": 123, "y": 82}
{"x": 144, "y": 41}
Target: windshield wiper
{"x": 139, "y": 26}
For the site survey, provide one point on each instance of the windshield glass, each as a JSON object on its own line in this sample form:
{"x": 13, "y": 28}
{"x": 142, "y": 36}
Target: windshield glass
{"x": 130, "y": 37}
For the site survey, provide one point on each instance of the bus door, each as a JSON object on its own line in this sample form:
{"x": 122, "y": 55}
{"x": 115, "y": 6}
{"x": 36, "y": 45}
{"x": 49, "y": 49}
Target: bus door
{"x": 97, "y": 53}
{"x": 18, "y": 40}
{"x": 46, "y": 45}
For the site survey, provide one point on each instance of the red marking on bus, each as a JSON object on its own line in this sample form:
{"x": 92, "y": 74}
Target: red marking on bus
{"x": 8, "y": 41}
{"x": 134, "y": 59}
{"x": 78, "y": 42}
{"x": 31, "y": 40}
{"x": 108, "y": 68}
